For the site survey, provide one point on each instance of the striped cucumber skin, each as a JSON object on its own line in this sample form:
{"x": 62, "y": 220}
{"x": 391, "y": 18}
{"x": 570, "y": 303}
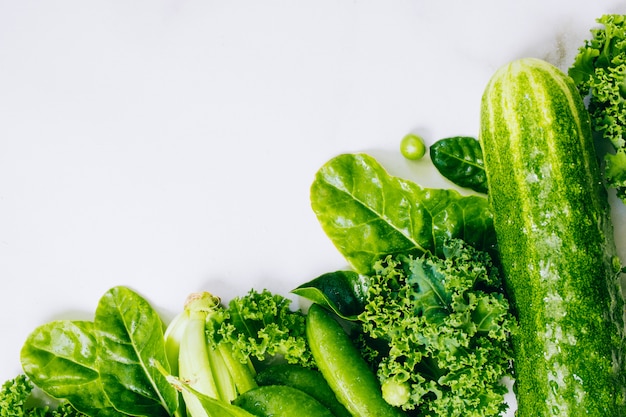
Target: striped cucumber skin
{"x": 555, "y": 238}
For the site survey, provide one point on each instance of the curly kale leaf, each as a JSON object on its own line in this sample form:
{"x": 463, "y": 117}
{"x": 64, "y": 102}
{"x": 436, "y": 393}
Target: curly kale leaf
{"x": 13, "y": 396}
{"x": 447, "y": 325}
{"x": 599, "y": 71}
{"x": 262, "y": 326}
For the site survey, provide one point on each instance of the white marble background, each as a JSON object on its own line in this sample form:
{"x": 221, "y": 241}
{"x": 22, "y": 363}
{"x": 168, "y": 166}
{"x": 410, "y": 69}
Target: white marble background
{"x": 169, "y": 145}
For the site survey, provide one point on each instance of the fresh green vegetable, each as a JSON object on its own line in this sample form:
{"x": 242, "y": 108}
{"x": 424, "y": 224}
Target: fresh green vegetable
{"x": 16, "y": 401}
{"x": 281, "y": 400}
{"x": 346, "y": 372}
{"x": 556, "y": 243}
{"x": 460, "y": 347}
{"x": 60, "y": 357}
{"x": 308, "y": 380}
{"x": 460, "y": 159}
{"x": 220, "y": 347}
{"x": 262, "y": 326}
{"x": 119, "y": 363}
{"x": 599, "y": 71}
{"x": 447, "y": 326}
{"x": 105, "y": 367}
{"x": 173, "y": 335}
{"x": 200, "y": 362}
{"x": 13, "y": 396}
{"x": 129, "y": 336}
{"x": 412, "y": 147}
{"x": 369, "y": 214}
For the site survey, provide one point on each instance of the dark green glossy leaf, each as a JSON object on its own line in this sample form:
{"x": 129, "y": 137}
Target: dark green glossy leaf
{"x": 460, "y": 159}
{"x": 130, "y": 344}
{"x": 344, "y": 292}
{"x": 60, "y": 358}
{"x": 368, "y": 213}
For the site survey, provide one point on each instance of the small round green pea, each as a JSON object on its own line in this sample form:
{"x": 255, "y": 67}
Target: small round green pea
{"x": 412, "y": 147}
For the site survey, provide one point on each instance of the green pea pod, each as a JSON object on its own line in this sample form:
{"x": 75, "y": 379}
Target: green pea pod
{"x": 305, "y": 379}
{"x": 346, "y": 372}
{"x": 280, "y": 400}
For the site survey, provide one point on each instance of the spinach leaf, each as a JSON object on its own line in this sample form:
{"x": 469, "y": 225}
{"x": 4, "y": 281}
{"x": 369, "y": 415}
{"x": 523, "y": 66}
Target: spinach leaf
{"x": 130, "y": 345}
{"x": 60, "y": 358}
{"x": 460, "y": 159}
{"x": 344, "y": 292}
{"x": 368, "y": 213}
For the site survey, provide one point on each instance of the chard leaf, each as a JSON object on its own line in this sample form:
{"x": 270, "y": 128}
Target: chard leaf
{"x": 369, "y": 214}
{"x": 460, "y": 159}
{"x": 130, "y": 344}
{"x": 60, "y": 358}
{"x": 344, "y": 292}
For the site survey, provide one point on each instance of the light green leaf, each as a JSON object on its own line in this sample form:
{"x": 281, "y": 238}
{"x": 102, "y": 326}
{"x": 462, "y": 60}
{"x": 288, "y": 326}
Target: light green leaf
{"x": 60, "y": 358}
{"x": 369, "y": 214}
{"x": 130, "y": 343}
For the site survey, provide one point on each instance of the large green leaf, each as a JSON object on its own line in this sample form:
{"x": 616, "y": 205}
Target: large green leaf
{"x": 60, "y": 358}
{"x": 368, "y": 213}
{"x": 130, "y": 345}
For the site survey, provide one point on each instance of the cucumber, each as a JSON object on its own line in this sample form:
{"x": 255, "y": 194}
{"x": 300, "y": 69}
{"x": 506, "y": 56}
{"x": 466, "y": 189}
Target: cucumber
{"x": 554, "y": 234}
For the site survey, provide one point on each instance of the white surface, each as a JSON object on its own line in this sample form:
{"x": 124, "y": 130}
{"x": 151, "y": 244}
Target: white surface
{"x": 170, "y": 145}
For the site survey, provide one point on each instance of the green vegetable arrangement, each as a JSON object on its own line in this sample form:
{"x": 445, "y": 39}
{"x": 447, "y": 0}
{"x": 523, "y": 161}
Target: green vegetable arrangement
{"x": 428, "y": 301}
{"x": 447, "y": 326}
{"x": 447, "y": 297}
{"x": 257, "y": 356}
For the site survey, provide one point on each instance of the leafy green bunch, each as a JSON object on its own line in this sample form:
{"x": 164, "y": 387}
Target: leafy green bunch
{"x": 126, "y": 362}
{"x": 599, "y": 71}
{"x": 447, "y": 326}
{"x": 262, "y": 326}
{"x": 219, "y": 349}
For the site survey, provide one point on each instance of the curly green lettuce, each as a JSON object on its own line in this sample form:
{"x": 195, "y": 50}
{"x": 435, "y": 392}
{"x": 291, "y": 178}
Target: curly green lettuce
{"x": 599, "y": 71}
{"x": 262, "y": 326}
{"x": 447, "y": 325}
